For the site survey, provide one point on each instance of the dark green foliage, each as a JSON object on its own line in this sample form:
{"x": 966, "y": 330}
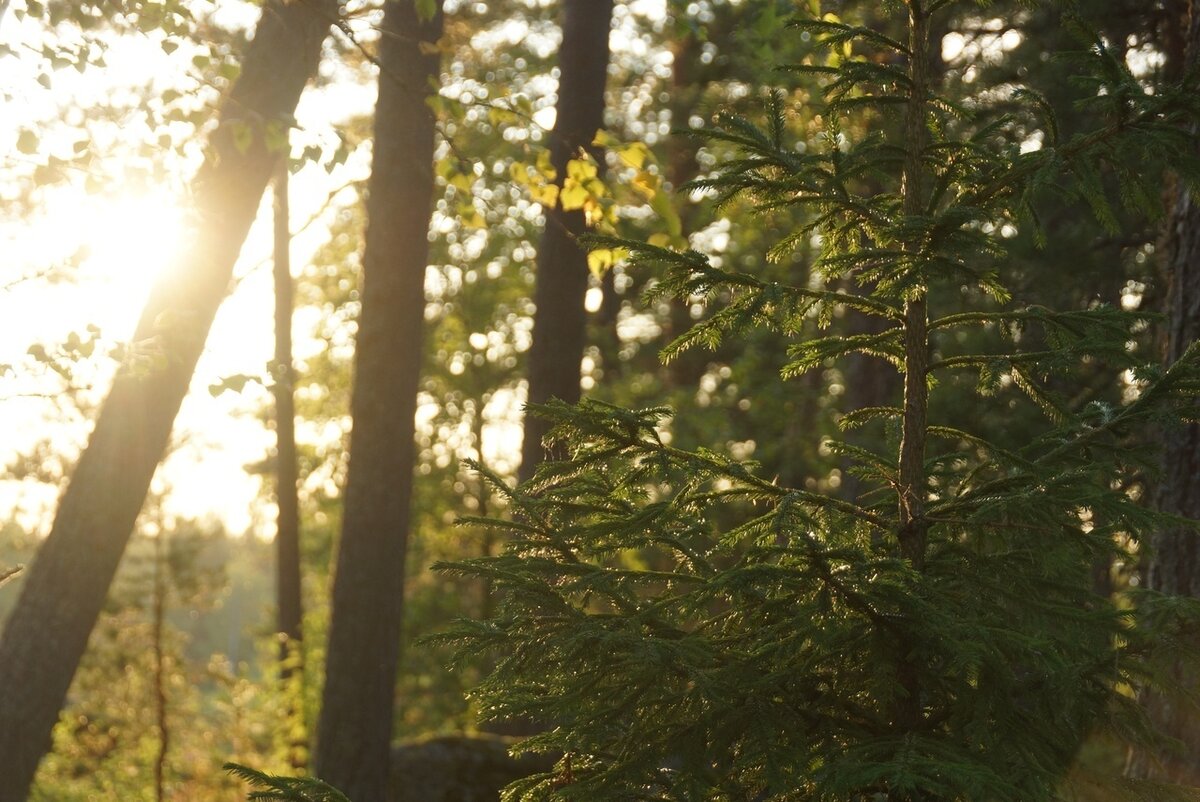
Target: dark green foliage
{"x": 937, "y": 637}
{"x": 285, "y": 789}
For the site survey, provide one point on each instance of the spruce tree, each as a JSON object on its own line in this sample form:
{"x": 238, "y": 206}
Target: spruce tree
{"x": 937, "y": 637}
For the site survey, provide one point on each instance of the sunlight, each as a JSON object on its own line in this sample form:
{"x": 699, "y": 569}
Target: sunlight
{"x": 98, "y": 256}
{"x": 125, "y": 241}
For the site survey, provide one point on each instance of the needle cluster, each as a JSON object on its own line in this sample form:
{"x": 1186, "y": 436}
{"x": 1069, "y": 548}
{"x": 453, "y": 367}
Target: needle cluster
{"x": 936, "y": 637}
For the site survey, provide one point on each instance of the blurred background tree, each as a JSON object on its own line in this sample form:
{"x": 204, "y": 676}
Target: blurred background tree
{"x": 114, "y": 131}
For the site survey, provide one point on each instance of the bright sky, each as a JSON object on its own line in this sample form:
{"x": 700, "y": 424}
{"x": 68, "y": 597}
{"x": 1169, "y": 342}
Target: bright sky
{"x": 120, "y": 234}
{"x": 120, "y": 240}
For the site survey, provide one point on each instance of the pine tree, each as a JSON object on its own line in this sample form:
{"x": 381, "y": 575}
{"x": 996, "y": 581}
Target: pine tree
{"x": 937, "y": 637}
{"x": 1174, "y": 567}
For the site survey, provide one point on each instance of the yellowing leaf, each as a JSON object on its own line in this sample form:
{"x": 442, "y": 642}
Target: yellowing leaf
{"x": 604, "y": 139}
{"x": 581, "y": 171}
{"x": 470, "y": 217}
{"x": 593, "y": 212}
{"x": 602, "y": 260}
{"x": 634, "y": 155}
{"x": 573, "y": 195}
{"x": 545, "y": 194}
{"x": 545, "y": 166}
{"x": 646, "y": 184}
{"x": 599, "y": 261}
{"x": 500, "y": 117}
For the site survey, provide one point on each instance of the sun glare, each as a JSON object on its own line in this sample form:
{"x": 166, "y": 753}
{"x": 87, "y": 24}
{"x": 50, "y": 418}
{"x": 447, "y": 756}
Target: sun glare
{"x": 125, "y": 243}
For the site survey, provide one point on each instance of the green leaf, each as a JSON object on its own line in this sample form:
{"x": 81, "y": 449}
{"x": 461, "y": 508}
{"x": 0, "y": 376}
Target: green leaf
{"x": 426, "y": 9}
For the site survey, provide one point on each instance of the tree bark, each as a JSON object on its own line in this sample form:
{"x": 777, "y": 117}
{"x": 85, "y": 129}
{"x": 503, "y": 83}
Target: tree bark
{"x": 355, "y": 727}
{"x": 560, "y": 319}
{"x": 67, "y": 584}
{"x": 290, "y": 608}
{"x": 1175, "y": 562}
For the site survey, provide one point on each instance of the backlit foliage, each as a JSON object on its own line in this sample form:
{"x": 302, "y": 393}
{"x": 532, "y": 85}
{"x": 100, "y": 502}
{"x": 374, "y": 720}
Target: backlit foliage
{"x": 936, "y": 637}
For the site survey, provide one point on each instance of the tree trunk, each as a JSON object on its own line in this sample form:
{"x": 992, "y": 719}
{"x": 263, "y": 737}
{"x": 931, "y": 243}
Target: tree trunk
{"x": 911, "y": 487}
{"x": 1175, "y": 560}
{"x": 355, "y": 727}
{"x": 688, "y": 82}
{"x": 65, "y": 590}
{"x": 560, "y": 319}
{"x": 290, "y": 609}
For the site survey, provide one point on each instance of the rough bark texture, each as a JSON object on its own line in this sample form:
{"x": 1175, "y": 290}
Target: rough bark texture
{"x": 354, "y": 734}
{"x": 1175, "y": 564}
{"x": 459, "y": 768}
{"x": 67, "y": 584}
{"x": 560, "y": 320}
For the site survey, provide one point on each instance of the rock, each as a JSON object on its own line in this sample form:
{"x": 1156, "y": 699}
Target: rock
{"x": 459, "y": 768}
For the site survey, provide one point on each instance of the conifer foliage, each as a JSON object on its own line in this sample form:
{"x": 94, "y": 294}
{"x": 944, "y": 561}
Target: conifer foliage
{"x": 936, "y": 638}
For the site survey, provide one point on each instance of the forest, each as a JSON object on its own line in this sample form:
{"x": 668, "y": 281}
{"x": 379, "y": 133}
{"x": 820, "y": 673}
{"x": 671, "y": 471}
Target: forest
{"x": 682, "y": 400}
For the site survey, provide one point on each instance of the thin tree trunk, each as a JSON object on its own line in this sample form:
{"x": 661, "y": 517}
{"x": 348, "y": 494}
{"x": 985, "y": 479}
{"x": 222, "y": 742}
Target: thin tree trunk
{"x": 354, "y": 734}
{"x": 869, "y": 381}
{"x": 911, "y": 488}
{"x": 287, "y": 531}
{"x": 160, "y": 664}
{"x": 48, "y": 630}
{"x": 688, "y": 82}
{"x": 560, "y": 319}
{"x": 1175, "y": 556}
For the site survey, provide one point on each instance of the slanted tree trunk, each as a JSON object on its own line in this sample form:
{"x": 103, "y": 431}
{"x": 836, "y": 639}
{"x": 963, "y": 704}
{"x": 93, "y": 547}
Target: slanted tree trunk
{"x": 290, "y": 609}
{"x": 560, "y": 319}
{"x": 66, "y": 586}
{"x": 354, "y": 734}
{"x": 1175, "y": 555}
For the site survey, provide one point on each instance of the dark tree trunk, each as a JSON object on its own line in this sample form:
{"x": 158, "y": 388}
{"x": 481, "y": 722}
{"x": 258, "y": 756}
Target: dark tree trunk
{"x": 287, "y": 532}
{"x": 354, "y": 734}
{"x": 560, "y": 320}
{"x": 290, "y": 610}
{"x": 65, "y": 590}
{"x": 1175, "y": 556}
